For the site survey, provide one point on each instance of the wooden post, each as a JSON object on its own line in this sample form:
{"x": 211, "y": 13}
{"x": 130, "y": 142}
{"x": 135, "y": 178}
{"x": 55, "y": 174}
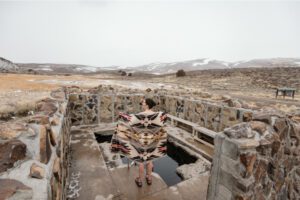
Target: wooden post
{"x": 293, "y": 94}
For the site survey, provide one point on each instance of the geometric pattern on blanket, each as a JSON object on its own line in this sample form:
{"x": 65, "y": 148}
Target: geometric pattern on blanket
{"x": 140, "y": 137}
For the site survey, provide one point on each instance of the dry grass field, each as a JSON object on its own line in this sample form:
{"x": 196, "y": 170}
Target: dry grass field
{"x": 255, "y": 88}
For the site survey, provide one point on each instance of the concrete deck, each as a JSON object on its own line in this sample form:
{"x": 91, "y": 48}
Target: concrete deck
{"x": 124, "y": 179}
{"x": 194, "y": 188}
{"x": 91, "y": 179}
{"x": 89, "y": 176}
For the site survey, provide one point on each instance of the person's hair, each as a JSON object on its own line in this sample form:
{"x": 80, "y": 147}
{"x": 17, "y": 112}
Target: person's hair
{"x": 150, "y": 103}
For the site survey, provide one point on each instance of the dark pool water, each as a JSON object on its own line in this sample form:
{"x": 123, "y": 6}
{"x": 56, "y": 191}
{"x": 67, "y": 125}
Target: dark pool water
{"x": 165, "y": 166}
{"x": 103, "y": 138}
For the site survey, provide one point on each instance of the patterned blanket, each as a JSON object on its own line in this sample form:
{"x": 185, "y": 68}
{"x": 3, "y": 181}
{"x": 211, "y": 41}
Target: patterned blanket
{"x": 140, "y": 137}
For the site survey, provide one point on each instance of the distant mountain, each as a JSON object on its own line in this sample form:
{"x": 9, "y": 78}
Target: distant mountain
{"x": 203, "y": 64}
{"x": 152, "y": 68}
{"x": 190, "y": 65}
{"x": 7, "y": 66}
{"x": 50, "y": 68}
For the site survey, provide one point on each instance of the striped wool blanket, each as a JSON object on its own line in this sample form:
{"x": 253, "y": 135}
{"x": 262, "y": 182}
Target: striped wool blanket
{"x": 140, "y": 137}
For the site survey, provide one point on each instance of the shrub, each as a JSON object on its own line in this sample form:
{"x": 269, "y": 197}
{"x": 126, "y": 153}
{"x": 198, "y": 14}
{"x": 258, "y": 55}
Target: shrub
{"x": 180, "y": 73}
{"x": 123, "y": 73}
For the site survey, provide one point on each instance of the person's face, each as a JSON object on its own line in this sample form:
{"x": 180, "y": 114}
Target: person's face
{"x": 144, "y": 105}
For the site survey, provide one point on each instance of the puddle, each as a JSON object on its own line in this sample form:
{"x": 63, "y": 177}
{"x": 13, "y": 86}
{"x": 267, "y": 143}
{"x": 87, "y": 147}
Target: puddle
{"x": 165, "y": 166}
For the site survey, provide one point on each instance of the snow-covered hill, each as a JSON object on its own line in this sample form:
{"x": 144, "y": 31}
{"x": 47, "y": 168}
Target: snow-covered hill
{"x": 190, "y": 65}
{"x": 50, "y": 68}
{"x": 7, "y": 66}
{"x": 152, "y": 68}
{"x": 206, "y": 63}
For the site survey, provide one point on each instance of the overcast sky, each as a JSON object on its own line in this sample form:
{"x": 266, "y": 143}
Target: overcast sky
{"x": 132, "y": 33}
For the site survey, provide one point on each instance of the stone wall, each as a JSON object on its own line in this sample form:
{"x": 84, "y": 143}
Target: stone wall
{"x": 95, "y": 108}
{"x": 87, "y": 109}
{"x": 207, "y": 114}
{"x": 33, "y": 152}
{"x": 257, "y": 160}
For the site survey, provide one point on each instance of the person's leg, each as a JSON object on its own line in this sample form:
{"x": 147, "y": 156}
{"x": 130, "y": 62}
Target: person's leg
{"x": 141, "y": 170}
{"x": 138, "y": 180}
{"x": 149, "y": 172}
{"x": 149, "y": 167}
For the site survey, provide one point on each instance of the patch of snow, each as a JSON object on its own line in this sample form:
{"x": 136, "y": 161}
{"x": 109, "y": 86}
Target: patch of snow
{"x": 156, "y": 73}
{"x": 226, "y": 64}
{"x": 298, "y": 63}
{"x": 44, "y": 66}
{"x": 153, "y": 66}
{"x": 196, "y": 64}
{"x": 170, "y": 71}
{"x": 235, "y": 64}
{"x": 86, "y": 68}
{"x": 174, "y": 63}
{"x": 240, "y": 62}
{"x": 204, "y": 62}
{"x": 121, "y": 67}
{"x": 46, "y": 69}
{"x": 7, "y": 65}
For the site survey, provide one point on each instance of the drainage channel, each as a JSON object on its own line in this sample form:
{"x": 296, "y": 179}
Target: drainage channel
{"x": 165, "y": 166}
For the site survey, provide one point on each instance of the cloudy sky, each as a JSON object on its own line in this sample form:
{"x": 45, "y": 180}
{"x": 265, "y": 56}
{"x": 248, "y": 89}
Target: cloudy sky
{"x": 131, "y": 33}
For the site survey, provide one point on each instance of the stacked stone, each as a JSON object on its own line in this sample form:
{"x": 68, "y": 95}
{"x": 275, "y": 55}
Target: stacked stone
{"x": 102, "y": 105}
{"x": 30, "y": 154}
{"x": 88, "y": 109}
{"x": 210, "y": 115}
{"x": 257, "y": 160}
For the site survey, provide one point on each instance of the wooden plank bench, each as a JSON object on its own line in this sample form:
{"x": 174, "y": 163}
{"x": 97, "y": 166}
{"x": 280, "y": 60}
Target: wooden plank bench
{"x": 175, "y": 120}
{"x": 199, "y": 133}
{"x": 290, "y": 92}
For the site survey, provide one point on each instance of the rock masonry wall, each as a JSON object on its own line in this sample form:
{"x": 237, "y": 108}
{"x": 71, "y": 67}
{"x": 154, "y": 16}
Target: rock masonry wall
{"x": 257, "y": 160}
{"x": 87, "y": 109}
{"x": 33, "y": 152}
{"x": 95, "y": 108}
{"x": 207, "y": 114}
